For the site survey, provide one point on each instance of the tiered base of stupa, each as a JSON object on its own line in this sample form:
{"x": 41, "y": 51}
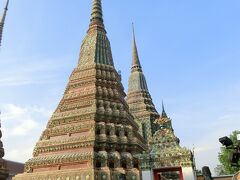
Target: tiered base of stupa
{"x": 82, "y": 174}
{"x": 76, "y": 174}
{"x": 4, "y": 172}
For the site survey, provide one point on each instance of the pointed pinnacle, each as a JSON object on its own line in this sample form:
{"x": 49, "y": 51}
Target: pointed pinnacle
{"x": 6, "y": 7}
{"x": 96, "y": 15}
{"x": 135, "y": 59}
{"x": 4, "y": 13}
{"x": 2, "y": 21}
{"x": 133, "y": 30}
{"x": 164, "y": 114}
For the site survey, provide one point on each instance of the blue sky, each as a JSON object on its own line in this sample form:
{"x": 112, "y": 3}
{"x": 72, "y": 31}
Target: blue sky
{"x": 189, "y": 51}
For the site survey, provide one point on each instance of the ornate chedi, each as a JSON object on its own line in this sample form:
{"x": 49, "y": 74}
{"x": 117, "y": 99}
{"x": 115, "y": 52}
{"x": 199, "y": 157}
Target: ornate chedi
{"x": 2, "y": 21}
{"x": 164, "y": 151}
{"x": 139, "y": 99}
{"x": 92, "y": 134}
{"x": 3, "y": 165}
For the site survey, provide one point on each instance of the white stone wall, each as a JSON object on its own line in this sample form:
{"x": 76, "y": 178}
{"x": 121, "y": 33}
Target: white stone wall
{"x": 147, "y": 175}
{"x": 188, "y": 173}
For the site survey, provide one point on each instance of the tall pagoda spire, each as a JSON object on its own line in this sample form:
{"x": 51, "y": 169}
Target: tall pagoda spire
{"x": 96, "y": 46}
{"x": 92, "y": 134}
{"x": 135, "y": 59}
{"x": 96, "y": 15}
{"x": 2, "y": 21}
{"x": 137, "y": 81}
{"x": 139, "y": 98}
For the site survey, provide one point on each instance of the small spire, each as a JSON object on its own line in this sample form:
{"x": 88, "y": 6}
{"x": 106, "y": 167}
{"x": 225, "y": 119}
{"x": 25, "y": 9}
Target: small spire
{"x": 135, "y": 61}
{"x": 164, "y": 114}
{"x": 2, "y": 21}
{"x": 96, "y": 15}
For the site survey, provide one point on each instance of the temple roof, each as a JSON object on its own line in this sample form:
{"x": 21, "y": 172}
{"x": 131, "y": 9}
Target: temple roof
{"x": 2, "y": 20}
{"x": 165, "y": 148}
{"x": 14, "y": 167}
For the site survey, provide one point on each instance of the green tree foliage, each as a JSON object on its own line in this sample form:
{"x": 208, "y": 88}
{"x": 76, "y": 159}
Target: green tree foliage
{"x": 198, "y": 172}
{"x": 226, "y": 168}
{"x": 219, "y": 170}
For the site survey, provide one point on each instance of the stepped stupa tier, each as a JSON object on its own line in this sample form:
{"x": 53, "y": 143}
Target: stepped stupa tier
{"x": 4, "y": 172}
{"x": 166, "y": 150}
{"x": 139, "y": 99}
{"x": 92, "y": 134}
{"x": 167, "y": 159}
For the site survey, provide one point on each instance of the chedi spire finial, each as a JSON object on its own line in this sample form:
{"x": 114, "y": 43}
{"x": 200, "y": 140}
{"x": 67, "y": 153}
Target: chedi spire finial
{"x": 2, "y": 21}
{"x": 164, "y": 114}
{"x": 96, "y": 15}
{"x": 135, "y": 58}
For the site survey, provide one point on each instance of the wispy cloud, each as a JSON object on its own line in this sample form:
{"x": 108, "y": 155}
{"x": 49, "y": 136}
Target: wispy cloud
{"x": 206, "y": 143}
{"x": 19, "y": 156}
{"x": 25, "y": 71}
{"x": 27, "y": 79}
{"x": 19, "y": 120}
{"x": 21, "y": 128}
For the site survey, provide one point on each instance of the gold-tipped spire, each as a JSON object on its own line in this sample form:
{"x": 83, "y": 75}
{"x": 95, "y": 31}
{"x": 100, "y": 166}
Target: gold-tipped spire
{"x": 2, "y": 21}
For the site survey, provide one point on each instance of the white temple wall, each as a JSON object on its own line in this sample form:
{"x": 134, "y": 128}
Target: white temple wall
{"x": 188, "y": 173}
{"x": 147, "y": 175}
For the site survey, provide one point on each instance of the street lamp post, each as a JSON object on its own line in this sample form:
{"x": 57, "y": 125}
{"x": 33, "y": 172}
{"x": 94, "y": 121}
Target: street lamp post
{"x": 235, "y": 154}
{"x": 235, "y": 149}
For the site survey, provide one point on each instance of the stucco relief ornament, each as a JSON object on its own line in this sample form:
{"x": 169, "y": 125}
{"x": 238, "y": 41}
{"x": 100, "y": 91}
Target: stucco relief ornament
{"x": 161, "y": 121}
